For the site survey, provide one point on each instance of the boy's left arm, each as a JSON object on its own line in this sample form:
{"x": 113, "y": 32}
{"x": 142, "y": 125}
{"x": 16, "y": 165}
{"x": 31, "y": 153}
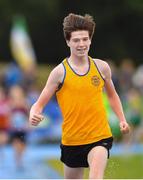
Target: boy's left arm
{"x": 115, "y": 101}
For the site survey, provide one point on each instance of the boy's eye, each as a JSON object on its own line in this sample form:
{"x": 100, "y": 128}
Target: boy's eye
{"x": 85, "y": 39}
{"x": 75, "y": 40}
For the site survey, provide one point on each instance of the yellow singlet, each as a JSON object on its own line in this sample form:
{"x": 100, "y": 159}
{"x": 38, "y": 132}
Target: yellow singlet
{"x": 80, "y": 99}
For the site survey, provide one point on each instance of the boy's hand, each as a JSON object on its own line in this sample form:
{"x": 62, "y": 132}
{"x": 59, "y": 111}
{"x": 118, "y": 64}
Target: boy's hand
{"x": 35, "y": 119}
{"x": 124, "y": 127}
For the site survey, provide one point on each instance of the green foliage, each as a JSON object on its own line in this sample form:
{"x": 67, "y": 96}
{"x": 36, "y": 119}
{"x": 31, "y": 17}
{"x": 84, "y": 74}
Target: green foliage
{"x": 136, "y": 6}
{"x": 118, "y": 31}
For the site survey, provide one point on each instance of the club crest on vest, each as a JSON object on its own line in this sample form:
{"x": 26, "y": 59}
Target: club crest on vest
{"x": 95, "y": 80}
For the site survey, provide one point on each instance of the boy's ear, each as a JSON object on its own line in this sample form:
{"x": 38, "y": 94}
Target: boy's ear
{"x": 67, "y": 43}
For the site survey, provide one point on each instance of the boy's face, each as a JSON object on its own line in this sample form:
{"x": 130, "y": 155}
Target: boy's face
{"x": 79, "y": 43}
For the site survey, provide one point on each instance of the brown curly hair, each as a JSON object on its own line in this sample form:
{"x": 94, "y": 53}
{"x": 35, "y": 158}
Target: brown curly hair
{"x": 74, "y": 22}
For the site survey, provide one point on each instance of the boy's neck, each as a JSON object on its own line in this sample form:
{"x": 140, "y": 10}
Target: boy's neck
{"x": 78, "y": 60}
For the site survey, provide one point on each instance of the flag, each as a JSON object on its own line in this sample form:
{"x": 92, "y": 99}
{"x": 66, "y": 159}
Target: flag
{"x": 21, "y": 45}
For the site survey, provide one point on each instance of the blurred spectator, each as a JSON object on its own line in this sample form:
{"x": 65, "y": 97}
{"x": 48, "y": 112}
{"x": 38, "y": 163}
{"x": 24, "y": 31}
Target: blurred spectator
{"x": 19, "y": 121}
{"x": 138, "y": 78}
{"x": 113, "y": 120}
{"x": 133, "y": 106}
{"x": 29, "y": 77}
{"x": 49, "y": 109}
{"x": 2, "y": 71}
{"x": 4, "y": 120}
{"x": 52, "y": 111}
{"x": 127, "y": 69}
{"x": 115, "y": 74}
{"x": 32, "y": 94}
{"x": 4, "y": 110}
{"x": 12, "y": 75}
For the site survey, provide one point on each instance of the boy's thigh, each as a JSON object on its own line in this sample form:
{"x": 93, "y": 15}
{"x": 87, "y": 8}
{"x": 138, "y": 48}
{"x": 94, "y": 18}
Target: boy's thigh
{"x": 73, "y": 173}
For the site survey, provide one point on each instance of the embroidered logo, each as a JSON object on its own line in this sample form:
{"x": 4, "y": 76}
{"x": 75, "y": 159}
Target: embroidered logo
{"x": 95, "y": 80}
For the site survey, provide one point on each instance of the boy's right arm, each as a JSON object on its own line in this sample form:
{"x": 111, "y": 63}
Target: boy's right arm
{"x": 53, "y": 82}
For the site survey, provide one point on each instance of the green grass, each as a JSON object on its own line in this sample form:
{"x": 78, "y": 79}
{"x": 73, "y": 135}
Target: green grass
{"x": 118, "y": 167}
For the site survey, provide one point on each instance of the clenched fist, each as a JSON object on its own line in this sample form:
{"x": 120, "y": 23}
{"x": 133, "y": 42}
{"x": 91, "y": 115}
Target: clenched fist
{"x": 124, "y": 127}
{"x": 35, "y": 119}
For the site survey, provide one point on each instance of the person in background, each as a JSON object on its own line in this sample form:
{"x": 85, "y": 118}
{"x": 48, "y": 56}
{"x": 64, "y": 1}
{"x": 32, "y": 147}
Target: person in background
{"x": 4, "y": 121}
{"x": 78, "y": 82}
{"x": 19, "y": 122}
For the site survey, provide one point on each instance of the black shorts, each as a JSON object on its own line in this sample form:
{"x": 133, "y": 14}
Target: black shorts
{"x": 76, "y": 156}
{"x": 18, "y": 135}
